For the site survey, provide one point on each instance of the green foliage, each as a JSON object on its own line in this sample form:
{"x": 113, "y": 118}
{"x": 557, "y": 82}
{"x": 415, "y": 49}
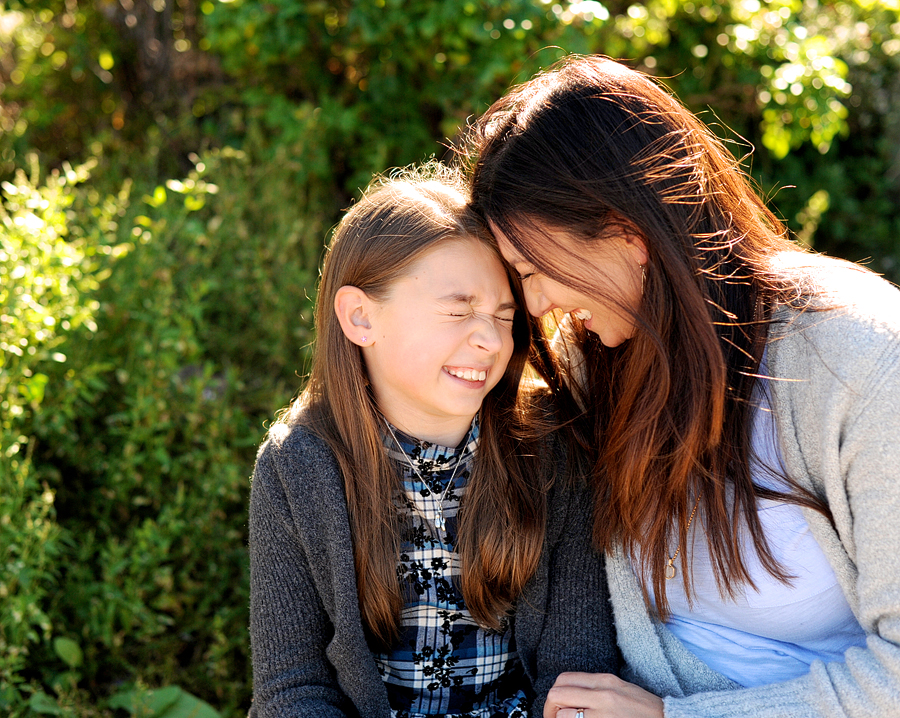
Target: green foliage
{"x": 359, "y": 87}
{"x": 169, "y": 702}
{"x": 60, "y": 53}
{"x": 42, "y": 288}
{"x": 126, "y": 519}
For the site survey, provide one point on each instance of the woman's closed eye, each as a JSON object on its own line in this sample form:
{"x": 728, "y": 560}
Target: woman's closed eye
{"x": 523, "y": 277}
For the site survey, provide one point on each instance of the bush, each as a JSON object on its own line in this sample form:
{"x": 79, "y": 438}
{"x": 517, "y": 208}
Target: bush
{"x": 140, "y": 420}
{"x": 44, "y": 294}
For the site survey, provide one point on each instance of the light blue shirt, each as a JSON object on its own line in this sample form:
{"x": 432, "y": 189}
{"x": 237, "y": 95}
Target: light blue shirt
{"x": 773, "y": 633}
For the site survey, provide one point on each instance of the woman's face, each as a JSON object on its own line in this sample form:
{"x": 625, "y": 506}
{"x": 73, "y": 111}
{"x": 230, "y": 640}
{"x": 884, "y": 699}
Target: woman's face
{"x": 613, "y": 266}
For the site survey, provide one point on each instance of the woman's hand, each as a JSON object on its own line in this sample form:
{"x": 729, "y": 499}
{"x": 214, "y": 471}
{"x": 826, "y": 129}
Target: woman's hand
{"x": 599, "y": 695}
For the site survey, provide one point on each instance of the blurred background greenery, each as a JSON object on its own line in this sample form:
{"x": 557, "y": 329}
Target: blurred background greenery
{"x": 170, "y": 170}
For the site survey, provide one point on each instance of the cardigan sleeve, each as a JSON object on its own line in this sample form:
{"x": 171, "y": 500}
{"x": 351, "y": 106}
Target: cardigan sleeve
{"x": 289, "y": 627}
{"x": 577, "y": 625}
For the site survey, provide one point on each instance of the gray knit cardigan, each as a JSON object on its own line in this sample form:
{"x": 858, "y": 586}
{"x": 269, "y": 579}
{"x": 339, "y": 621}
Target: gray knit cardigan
{"x": 835, "y": 379}
{"x": 310, "y": 656}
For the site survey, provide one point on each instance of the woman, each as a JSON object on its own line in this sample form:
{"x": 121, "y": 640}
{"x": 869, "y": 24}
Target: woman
{"x": 741, "y": 406}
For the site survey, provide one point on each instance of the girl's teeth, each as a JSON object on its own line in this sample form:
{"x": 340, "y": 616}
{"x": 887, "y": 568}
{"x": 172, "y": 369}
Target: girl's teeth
{"x": 469, "y": 374}
{"x": 582, "y": 314}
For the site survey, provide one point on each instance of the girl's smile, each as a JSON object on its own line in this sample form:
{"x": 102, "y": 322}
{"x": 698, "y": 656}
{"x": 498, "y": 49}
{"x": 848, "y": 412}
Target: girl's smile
{"x": 472, "y": 376}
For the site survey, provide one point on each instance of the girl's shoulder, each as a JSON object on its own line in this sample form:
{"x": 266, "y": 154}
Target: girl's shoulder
{"x": 296, "y": 443}
{"x": 297, "y": 461}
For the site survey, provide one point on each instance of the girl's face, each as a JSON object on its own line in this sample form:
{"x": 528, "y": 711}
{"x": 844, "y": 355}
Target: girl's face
{"x": 614, "y": 266}
{"x": 441, "y": 341}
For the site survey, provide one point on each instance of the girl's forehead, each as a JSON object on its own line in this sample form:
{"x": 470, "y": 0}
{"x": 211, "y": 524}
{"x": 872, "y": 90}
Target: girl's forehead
{"x": 456, "y": 251}
{"x": 459, "y": 271}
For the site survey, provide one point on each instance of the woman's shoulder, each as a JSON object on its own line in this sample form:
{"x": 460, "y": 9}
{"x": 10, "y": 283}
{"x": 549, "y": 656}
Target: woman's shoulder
{"x": 826, "y": 283}
{"x": 838, "y": 303}
{"x": 847, "y": 321}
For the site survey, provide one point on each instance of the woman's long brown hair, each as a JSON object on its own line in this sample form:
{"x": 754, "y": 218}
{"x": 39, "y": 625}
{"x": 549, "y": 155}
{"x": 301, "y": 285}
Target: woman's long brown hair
{"x": 594, "y": 149}
{"x": 502, "y": 515}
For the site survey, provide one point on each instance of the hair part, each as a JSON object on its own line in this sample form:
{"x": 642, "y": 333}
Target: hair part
{"x": 592, "y": 148}
{"x": 397, "y": 220}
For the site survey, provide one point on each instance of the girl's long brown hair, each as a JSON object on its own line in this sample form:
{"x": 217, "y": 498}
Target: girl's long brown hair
{"x": 502, "y": 514}
{"x": 593, "y": 149}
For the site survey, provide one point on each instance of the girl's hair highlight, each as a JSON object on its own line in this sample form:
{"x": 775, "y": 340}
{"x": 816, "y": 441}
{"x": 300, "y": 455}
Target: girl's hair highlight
{"x": 594, "y": 149}
{"x": 398, "y": 219}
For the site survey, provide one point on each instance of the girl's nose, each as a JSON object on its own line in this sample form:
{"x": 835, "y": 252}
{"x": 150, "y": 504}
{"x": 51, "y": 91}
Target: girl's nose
{"x": 487, "y": 335}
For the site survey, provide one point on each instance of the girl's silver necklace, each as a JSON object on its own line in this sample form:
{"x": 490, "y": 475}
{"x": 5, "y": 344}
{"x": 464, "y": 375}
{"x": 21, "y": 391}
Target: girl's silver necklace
{"x": 439, "y": 520}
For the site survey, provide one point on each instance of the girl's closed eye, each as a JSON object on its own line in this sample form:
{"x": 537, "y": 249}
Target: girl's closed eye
{"x": 523, "y": 277}
{"x": 505, "y": 319}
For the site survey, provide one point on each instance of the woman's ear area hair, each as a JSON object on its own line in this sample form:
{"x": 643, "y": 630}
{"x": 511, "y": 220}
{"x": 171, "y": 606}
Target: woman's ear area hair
{"x": 353, "y": 309}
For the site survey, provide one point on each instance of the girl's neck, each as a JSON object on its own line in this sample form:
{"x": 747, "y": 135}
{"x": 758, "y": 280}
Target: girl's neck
{"x": 444, "y": 433}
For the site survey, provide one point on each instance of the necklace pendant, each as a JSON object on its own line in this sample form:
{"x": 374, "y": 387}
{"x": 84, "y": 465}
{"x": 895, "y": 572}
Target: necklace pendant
{"x": 671, "y": 571}
{"x": 439, "y": 521}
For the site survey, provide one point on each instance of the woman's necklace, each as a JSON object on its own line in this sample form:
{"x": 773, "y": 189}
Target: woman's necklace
{"x": 439, "y": 520}
{"x": 671, "y": 571}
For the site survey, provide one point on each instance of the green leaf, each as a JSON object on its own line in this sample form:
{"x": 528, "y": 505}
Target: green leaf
{"x": 158, "y": 199}
{"x": 189, "y": 706}
{"x": 44, "y": 704}
{"x": 192, "y": 203}
{"x": 32, "y": 389}
{"x": 168, "y": 702}
{"x": 69, "y": 651}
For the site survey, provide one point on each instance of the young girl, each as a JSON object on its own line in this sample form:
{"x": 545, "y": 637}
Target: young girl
{"x": 400, "y": 507}
{"x": 742, "y": 396}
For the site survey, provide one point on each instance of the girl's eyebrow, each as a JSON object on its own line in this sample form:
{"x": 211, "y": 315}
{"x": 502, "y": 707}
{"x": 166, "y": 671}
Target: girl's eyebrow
{"x": 470, "y": 299}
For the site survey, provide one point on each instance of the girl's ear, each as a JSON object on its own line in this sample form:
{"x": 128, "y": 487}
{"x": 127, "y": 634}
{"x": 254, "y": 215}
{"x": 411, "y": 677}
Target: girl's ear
{"x": 353, "y": 307}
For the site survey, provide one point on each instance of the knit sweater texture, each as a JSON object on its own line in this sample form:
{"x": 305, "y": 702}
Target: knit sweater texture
{"x": 835, "y": 380}
{"x": 310, "y": 655}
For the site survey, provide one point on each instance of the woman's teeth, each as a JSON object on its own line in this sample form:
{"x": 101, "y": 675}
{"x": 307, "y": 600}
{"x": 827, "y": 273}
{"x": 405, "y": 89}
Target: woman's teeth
{"x": 468, "y": 374}
{"x": 582, "y": 314}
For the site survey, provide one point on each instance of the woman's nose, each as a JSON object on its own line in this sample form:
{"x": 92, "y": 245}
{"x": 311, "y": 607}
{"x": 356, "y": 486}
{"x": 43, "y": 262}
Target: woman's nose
{"x": 537, "y": 303}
